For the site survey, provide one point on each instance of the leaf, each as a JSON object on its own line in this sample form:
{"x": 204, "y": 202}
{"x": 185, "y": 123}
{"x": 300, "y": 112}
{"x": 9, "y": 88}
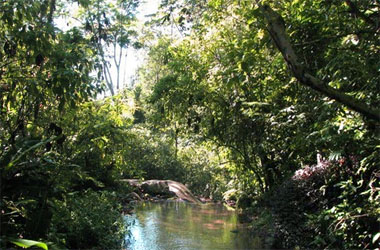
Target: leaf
{"x": 334, "y": 156}
{"x": 30, "y": 149}
{"x": 99, "y": 125}
{"x": 29, "y": 243}
{"x": 375, "y": 237}
{"x": 256, "y": 103}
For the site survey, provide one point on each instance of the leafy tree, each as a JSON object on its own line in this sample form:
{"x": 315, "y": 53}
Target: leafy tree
{"x": 110, "y": 26}
{"x": 250, "y": 96}
{"x": 228, "y": 82}
{"x": 45, "y": 72}
{"x": 276, "y": 29}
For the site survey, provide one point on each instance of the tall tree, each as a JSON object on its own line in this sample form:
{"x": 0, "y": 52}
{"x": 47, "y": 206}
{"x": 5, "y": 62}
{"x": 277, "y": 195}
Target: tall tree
{"x": 110, "y": 24}
{"x": 362, "y": 18}
{"x": 231, "y": 73}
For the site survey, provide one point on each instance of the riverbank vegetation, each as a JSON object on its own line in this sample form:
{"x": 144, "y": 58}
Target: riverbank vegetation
{"x": 271, "y": 104}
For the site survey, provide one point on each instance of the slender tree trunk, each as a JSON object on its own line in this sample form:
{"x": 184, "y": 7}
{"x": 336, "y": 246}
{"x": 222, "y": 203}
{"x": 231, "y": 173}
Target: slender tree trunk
{"x": 176, "y": 140}
{"x": 248, "y": 165}
{"x": 117, "y": 61}
{"x": 258, "y": 177}
{"x": 108, "y": 77}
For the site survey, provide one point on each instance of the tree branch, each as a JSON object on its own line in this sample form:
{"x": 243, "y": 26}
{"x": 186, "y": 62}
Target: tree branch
{"x": 276, "y": 29}
{"x": 51, "y": 11}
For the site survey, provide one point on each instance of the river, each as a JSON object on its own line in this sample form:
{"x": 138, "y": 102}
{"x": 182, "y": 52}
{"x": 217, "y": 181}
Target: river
{"x": 181, "y": 225}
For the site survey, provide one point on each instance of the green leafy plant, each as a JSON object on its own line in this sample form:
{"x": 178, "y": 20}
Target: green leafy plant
{"x": 29, "y": 243}
{"x": 88, "y": 220}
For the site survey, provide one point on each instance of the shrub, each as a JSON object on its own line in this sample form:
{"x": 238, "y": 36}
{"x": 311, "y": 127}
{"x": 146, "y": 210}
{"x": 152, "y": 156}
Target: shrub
{"x": 88, "y": 220}
{"x": 334, "y": 204}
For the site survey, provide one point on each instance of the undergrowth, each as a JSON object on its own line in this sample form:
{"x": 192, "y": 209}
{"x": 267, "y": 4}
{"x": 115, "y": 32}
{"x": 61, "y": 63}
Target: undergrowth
{"x": 334, "y": 204}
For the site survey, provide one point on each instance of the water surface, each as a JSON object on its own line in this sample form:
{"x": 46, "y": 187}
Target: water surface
{"x": 180, "y": 225}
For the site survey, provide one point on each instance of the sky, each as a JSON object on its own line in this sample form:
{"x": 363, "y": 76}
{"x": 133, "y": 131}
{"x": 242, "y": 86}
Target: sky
{"x": 135, "y": 58}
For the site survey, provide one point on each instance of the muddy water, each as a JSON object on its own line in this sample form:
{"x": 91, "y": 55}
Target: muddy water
{"x": 180, "y": 225}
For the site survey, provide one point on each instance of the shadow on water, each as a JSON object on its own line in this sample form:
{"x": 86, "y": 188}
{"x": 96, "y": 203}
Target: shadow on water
{"x": 180, "y": 225}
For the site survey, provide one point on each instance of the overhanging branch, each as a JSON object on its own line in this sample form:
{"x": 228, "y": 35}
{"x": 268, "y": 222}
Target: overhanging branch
{"x": 276, "y": 29}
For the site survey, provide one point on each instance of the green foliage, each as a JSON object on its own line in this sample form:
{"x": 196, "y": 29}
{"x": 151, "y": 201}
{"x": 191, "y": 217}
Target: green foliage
{"x": 46, "y": 179}
{"x": 217, "y": 109}
{"x": 153, "y": 156}
{"x": 110, "y": 27}
{"x": 88, "y": 220}
{"x": 29, "y": 243}
{"x": 335, "y": 206}
{"x": 98, "y": 138}
{"x": 204, "y": 173}
{"x": 46, "y": 74}
{"x": 228, "y": 84}
{"x": 353, "y": 218}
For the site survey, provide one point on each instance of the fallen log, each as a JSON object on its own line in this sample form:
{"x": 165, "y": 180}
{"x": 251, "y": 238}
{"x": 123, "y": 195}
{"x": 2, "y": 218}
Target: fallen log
{"x": 163, "y": 187}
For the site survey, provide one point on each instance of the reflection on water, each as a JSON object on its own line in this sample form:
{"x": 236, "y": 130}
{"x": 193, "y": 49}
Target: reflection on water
{"x": 180, "y": 225}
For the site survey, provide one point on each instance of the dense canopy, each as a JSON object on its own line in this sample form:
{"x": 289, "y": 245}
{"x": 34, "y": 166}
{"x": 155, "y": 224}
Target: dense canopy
{"x": 276, "y": 102}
